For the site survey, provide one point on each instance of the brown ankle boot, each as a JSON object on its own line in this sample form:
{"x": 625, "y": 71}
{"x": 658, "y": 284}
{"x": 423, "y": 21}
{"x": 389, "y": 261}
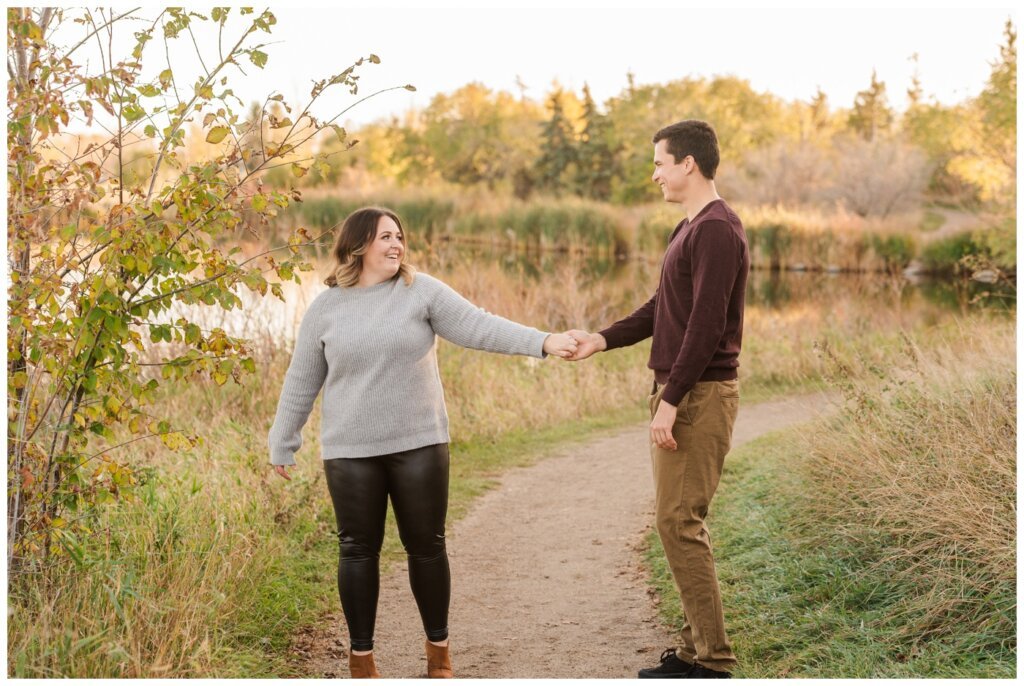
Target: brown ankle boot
{"x": 439, "y": 662}
{"x": 362, "y": 666}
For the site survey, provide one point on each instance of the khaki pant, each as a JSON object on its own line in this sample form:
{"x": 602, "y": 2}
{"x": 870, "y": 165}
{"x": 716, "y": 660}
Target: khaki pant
{"x": 685, "y": 480}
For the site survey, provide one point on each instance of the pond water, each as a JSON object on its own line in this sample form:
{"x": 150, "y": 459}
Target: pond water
{"x": 631, "y": 282}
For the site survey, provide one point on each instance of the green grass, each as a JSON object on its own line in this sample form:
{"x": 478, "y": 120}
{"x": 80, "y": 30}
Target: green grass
{"x": 795, "y": 607}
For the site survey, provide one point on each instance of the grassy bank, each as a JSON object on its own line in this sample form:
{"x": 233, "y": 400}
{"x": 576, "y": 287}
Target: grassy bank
{"x": 879, "y": 542}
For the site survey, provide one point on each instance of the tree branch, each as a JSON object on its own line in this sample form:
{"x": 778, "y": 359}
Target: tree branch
{"x": 238, "y": 265}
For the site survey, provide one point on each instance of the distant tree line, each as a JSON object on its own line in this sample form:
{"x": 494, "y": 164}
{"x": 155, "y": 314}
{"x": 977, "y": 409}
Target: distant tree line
{"x": 869, "y": 158}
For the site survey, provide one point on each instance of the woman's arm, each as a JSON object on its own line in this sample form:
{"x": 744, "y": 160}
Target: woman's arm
{"x": 302, "y": 385}
{"x": 457, "y": 320}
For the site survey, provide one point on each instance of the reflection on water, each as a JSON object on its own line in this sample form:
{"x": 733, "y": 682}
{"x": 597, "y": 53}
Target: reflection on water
{"x": 633, "y": 281}
{"x": 767, "y": 289}
{"x": 776, "y": 290}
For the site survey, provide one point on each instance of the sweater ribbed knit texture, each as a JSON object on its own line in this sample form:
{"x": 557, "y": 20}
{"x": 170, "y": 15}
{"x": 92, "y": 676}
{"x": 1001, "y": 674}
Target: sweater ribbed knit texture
{"x": 372, "y": 351}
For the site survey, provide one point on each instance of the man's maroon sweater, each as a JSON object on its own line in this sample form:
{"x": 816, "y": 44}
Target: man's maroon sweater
{"x": 696, "y": 314}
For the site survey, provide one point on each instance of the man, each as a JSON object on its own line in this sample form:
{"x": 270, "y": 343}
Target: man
{"x": 696, "y": 320}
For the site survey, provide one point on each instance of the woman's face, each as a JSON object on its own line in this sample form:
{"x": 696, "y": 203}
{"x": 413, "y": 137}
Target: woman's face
{"x": 385, "y": 254}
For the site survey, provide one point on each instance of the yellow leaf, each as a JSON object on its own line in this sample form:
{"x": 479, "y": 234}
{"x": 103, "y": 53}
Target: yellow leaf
{"x": 217, "y": 134}
{"x": 136, "y": 424}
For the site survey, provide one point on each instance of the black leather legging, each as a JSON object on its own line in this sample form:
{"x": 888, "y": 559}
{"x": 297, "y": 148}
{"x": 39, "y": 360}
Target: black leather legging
{"x": 417, "y": 482}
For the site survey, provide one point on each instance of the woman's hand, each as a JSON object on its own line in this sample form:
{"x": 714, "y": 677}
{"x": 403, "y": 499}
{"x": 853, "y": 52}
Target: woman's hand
{"x": 587, "y": 344}
{"x": 560, "y": 344}
{"x": 282, "y": 471}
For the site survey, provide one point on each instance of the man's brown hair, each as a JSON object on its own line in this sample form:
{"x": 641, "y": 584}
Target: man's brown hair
{"x": 692, "y": 137}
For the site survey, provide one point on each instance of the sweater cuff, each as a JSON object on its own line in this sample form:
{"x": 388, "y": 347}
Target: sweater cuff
{"x": 282, "y": 457}
{"x": 612, "y": 339}
{"x": 543, "y": 340}
{"x": 674, "y": 394}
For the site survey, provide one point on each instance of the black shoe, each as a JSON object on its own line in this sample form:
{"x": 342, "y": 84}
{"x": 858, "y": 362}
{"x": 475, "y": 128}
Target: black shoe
{"x": 671, "y": 667}
{"x": 699, "y": 671}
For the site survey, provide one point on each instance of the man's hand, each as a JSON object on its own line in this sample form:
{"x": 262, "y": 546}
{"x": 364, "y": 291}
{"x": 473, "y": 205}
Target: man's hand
{"x": 661, "y": 427}
{"x": 587, "y": 344}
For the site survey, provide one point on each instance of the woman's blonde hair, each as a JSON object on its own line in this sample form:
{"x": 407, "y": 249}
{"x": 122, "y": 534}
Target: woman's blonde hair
{"x": 357, "y": 233}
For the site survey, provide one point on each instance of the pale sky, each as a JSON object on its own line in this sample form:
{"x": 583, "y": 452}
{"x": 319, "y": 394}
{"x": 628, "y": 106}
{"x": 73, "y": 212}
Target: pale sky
{"x": 788, "y": 52}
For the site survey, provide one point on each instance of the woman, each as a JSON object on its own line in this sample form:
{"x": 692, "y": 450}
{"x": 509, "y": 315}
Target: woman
{"x": 369, "y": 341}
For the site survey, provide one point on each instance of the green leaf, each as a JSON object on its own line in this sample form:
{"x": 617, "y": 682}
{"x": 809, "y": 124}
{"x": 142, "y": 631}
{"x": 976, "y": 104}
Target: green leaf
{"x": 259, "y": 202}
{"x": 258, "y": 58}
{"x": 166, "y": 78}
{"x": 149, "y": 91}
{"x": 133, "y": 112}
{"x": 217, "y": 134}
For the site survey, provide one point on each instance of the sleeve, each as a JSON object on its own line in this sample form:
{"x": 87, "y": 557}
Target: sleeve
{"x": 457, "y": 320}
{"x": 302, "y": 384}
{"x": 632, "y": 329}
{"x": 715, "y": 260}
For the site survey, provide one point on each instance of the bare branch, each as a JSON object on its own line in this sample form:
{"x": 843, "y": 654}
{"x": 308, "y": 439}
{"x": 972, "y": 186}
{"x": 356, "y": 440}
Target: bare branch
{"x": 96, "y": 29}
{"x": 199, "y": 53}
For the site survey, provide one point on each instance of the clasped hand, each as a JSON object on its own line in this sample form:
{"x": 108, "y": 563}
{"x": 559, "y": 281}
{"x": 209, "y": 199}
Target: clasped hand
{"x": 574, "y": 345}
{"x": 664, "y": 419}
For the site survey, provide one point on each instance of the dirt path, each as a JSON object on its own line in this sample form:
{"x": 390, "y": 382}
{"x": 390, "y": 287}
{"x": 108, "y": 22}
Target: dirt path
{"x": 546, "y": 574}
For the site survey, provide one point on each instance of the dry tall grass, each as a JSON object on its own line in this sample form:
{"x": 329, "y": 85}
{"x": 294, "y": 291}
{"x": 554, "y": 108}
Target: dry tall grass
{"x": 919, "y": 476}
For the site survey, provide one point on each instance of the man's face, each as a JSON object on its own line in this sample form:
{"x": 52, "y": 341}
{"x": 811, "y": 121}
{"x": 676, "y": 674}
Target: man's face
{"x": 672, "y": 177}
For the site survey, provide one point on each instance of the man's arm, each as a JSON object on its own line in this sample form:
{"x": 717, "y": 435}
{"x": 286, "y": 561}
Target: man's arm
{"x": 632, "y": 329}
{"x": 627, "y": 331}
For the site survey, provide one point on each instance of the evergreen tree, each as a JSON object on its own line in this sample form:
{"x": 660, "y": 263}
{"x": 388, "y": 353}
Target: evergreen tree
{"x": 557, "y": 150}
{"x": 998, "y": 102}
{"x": 596, "y": 158}
{"x": 871, "y": 114}
{"x": 915, "y": 94}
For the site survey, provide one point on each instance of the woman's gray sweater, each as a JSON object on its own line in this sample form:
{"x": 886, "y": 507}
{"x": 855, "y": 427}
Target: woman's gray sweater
{"x": 372, "y": 350}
